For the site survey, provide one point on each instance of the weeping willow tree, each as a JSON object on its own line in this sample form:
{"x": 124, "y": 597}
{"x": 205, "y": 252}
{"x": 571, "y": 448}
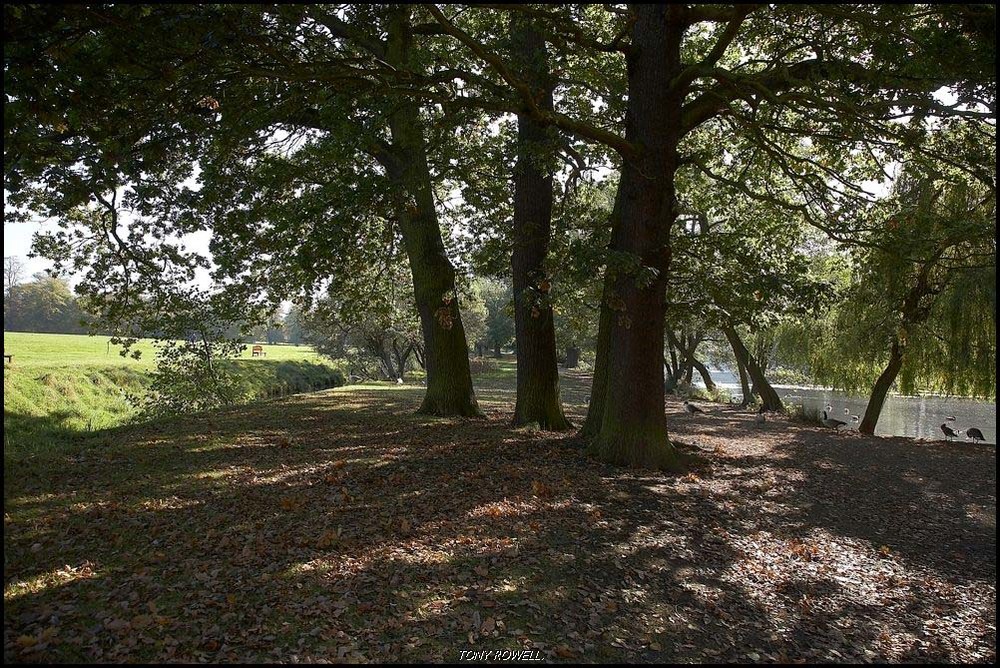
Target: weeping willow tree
{"x": 919, "y": 313}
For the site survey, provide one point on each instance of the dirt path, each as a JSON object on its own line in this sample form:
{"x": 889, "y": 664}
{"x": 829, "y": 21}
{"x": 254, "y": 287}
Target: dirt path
{"x": 339, "y": 525}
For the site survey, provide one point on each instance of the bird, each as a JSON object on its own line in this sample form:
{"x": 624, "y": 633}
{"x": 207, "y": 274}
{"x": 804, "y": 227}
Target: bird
{"x": 760, "y": 418}
{"x": 831, "y": 422}
{"x": 975, "y": 434}
{"x": 948, "y": 431}
{"x": 691, "y": 408}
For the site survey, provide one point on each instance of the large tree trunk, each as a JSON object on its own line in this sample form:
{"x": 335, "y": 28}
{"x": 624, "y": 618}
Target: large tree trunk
{"x": 537, "y": 367}
{"x": 881, "y": 389}
{"x": 599, "y": 384}
{"x": 768, "y": 396}
{"x": 446, "y": 355}
{"x": 633, "y": 428}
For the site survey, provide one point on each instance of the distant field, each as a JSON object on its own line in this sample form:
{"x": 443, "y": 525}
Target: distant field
{"x": 64, "y": 387}
{"x": 31, "y": 349}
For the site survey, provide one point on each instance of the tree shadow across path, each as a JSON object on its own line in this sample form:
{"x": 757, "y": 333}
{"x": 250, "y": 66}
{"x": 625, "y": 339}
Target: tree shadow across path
{"x": 342, "y": 526}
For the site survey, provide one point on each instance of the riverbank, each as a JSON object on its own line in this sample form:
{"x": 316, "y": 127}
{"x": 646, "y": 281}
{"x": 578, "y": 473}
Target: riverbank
{"x": 918, "y": 417}
{"x": 57, "y": 408}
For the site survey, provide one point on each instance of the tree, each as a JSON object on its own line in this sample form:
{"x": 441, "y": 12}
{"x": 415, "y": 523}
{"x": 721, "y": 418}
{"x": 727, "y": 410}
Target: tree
{"x": 380, "y": 86}
{"x": 242, "y": 113}
{"x": 44, "y": 304}
{"x": 922, "y": 292}
{"x": 13, "y": 274}
{"x": 294, "y": 325}
{"x": 692, "y": 67}
{"x": 498, "y": 325}
{"x": 378, "y": 335}
{"x": 537, "y": 369}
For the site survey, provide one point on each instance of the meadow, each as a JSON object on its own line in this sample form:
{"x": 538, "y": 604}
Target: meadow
{"x": 62, "y": 390}
{"x": 33, "y": 349}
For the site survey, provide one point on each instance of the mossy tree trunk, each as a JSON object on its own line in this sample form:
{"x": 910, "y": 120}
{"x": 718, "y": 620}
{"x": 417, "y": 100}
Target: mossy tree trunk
{"x": 629, "y": 392}
{"x": 446, "y": 356}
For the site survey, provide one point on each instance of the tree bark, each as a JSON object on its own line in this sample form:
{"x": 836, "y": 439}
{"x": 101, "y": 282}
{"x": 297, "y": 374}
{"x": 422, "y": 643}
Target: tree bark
{"x": 741, "y": 368}
{"x": 446, "y": 357}
{"x": 633, "y": 427}
{"x": 537, "y": 367}
{"x": 599, "y": 384}
{"x": 705, "y": 375}
{"x": 768, "y": 396}
{"x": 881, "y": 389}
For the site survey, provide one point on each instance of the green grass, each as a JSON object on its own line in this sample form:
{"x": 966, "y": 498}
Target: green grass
{"x": 31, "y": 349}
{"x": 63, "y": 391}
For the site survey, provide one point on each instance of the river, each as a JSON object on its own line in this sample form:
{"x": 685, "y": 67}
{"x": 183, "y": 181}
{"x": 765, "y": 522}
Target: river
{"x": 916, "y": 417}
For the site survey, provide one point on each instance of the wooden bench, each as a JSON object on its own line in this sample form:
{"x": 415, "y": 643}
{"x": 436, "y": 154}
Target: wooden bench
{"x": 257, "y": 351}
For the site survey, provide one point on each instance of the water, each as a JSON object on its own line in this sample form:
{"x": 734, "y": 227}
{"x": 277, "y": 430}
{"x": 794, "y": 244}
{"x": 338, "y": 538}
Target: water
{"x": 915, "y": 417}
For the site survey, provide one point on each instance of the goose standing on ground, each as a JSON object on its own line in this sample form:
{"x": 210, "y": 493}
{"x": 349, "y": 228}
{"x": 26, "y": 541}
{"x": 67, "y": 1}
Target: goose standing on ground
{"x": 831, "y": 422}
{"x": 691, "y": 408}
{"x": 948, "y": 431}
{"x": 760, "y": 418}
{"x": 975, "y": 434}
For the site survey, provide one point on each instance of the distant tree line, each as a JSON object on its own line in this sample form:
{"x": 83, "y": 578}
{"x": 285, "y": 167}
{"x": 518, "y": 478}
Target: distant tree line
{"x": 43, "y": 304}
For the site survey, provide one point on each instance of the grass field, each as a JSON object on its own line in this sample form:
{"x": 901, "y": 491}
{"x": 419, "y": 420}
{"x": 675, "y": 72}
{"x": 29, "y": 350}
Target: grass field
{"x": 31, "y": 349}
{"x": 64, "y": 389}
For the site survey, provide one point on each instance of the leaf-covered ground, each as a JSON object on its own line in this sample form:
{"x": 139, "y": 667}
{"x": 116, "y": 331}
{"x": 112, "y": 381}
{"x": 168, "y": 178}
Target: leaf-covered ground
{"x": 341, "y": 526}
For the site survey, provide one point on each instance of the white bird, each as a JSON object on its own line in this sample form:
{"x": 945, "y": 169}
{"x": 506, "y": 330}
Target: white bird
{"x": 831, "y": 423}
{"x": 691, "y": 408}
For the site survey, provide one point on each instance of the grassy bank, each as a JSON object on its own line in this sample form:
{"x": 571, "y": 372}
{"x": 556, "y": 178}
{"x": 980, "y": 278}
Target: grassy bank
{"x": 57, "y": 409}
{"x": 34, "y": 349}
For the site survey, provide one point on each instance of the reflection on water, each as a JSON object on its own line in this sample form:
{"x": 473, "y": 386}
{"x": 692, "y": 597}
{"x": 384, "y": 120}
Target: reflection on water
{"x": 918, "y": 417}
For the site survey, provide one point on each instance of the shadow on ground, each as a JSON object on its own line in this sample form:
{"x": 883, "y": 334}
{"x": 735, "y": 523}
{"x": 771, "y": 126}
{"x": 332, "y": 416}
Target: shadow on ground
{"x": 340, "y": 525}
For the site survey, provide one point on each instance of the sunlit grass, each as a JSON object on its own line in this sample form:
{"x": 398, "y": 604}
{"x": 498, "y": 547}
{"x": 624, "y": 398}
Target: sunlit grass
{"x": 34, "y": 349}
